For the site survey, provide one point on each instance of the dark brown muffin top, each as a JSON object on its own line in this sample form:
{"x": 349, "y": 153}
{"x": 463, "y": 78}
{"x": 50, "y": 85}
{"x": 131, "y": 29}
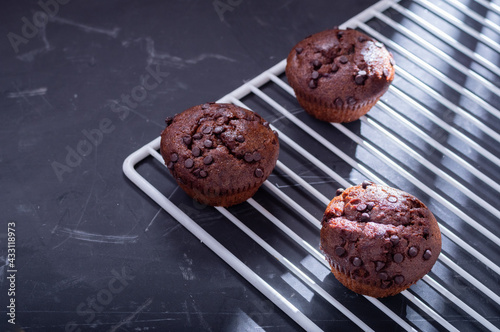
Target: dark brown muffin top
{"x": 346, "y": 65}
{"x": 220, "y": 147}
{"x": 380, "y": 235}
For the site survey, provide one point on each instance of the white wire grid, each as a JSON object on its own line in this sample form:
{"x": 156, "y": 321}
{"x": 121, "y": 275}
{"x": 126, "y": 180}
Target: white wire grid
{"x": 469, "y": 129}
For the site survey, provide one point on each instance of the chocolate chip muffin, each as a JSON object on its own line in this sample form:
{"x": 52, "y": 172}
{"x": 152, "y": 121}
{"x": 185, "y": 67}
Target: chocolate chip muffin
{"x": 379, "y": 240}
{"x": 219, "y": 154}
{"x": 338, "y": 75}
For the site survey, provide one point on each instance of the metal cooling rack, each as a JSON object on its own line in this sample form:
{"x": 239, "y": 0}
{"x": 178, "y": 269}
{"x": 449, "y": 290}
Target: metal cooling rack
{"x": 435, "y": 133}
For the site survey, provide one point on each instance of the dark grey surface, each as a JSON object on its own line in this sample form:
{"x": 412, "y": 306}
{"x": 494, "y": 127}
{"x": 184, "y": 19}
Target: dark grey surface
{"x": 92, "y": 251}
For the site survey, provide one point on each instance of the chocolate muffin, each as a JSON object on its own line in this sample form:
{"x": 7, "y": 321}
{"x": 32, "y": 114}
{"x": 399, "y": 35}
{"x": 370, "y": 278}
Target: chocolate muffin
{"x": 379, "y": 240}
{"x": 219, "y": 154}
{"x": 338, "y": 75}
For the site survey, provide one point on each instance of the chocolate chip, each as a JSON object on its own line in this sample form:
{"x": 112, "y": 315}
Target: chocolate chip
{"x": 361, "y": 39}
{"x": 259, "y": 173}
{"x": 257, "y": 156}
{"x": 168, "y": 120}
{"x": 186, "y": 140}
{"x": 379, "y": 44}
{"x": 339, "y": 251}
{"x": 340, "y": 34}
{"x": 218, "y": 130}
{"x": 361, "y": 207}
{"x": 398, "y": 258}
{"x": 335, "y": 67}
{"x": 208, "y": 160}
{"x": 386, "y": 72}
{"x": 197, "y": 136}
{"x": 365, "y": 217}
{"x": 248, "y": 157}
{"x": 379, "y": 265}
{"x": 174, "y": 157}
{"x": 207, "y": 130}
{"x": 196, "y": 172}
{"x": 366, "y": 183}
{"x": 299, "y": 50}
{"x": 383, "y": 276}
{"x": 315, "y": 75}
{"x": 369, "y": 206}
{"x": 362, "y": 74}
{"x": 317, "y": 64}
{"x": 427, "y": 254}
{"x": 359, "y": 79}
{"x": 205, "y": 106}
{"x": 338, "y": 102}
{"x": 339, "y": 191}
{"x": 413, "y": 251}
{"x": 196, "y": 151}
{"x": 343, "y": 59}
{"x": 351, "y": 101}
{"x": 313, "y": 84}
{"x": 240, "y": 138}
{"x": 392, "y": 199}
{"x": 356, "y": 261}
{"x": 170, "y": 165}
{"x": 188, "y": 163}
{"x": 265, "y": 124}
{"x": 207, "y": 143}
{"x": 394, "y": 239}
{"x": 399, "y": 279}
{"x": 203, "y": 174}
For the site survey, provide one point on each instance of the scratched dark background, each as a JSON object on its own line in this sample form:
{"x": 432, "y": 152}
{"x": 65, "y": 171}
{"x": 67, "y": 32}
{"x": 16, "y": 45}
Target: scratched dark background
{"x": 84, "y": 232}
{"x": 84, "y": 88}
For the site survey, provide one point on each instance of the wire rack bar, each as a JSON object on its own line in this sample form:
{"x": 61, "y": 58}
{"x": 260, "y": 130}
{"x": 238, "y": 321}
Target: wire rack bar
{"x": 447, "y": 39}
{"x": 475, "y": 16}
{"x": 439, "y": 53}
{"x": 450, "y": 129}
{"x": 490, "y": 6}
{"x": 459, "y": 24}
{"x": 448, "y": 104}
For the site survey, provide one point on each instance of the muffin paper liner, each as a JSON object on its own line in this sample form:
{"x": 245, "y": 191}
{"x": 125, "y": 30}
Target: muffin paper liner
{"x": 360, "y": 287}
{"x": 210, "y": 196}
{"x": 328, "y": 111}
